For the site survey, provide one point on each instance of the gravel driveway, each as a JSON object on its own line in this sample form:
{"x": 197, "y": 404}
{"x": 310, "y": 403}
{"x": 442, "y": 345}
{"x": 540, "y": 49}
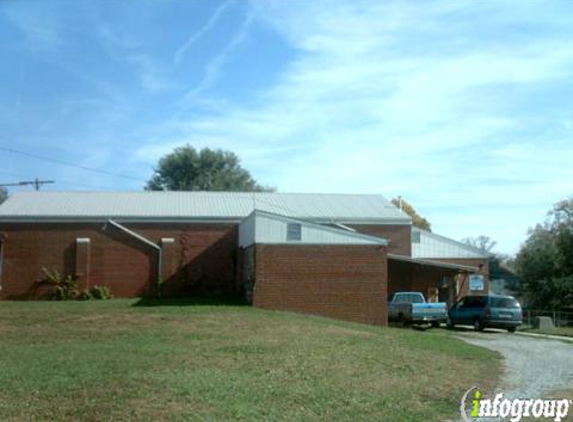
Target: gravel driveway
{"x": 534, "y": 366}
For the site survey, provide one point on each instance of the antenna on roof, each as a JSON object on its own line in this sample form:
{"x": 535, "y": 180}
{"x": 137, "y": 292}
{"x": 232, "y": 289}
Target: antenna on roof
{"x": 37, "y": 183}
{"x": 400, "y": 201}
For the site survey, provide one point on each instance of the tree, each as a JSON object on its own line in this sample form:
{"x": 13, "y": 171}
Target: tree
{"x": 544, "y": 262}
{"x": 417, "y": 219}
{"x": 484, "y": 243}
{"x": 3, "y": 194}
{"x": 186, "y": 169}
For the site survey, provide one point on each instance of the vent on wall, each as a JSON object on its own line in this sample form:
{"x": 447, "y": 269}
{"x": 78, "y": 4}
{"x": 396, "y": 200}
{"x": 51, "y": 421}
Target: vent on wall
{"x": 294, "y": 232}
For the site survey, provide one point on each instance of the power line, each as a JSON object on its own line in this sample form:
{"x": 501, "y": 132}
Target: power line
{"x": 66, "y": 163}
{"x": 36, "y": 183}
{"x": 60, "y": 181}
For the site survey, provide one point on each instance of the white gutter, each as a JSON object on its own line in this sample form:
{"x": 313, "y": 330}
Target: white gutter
{"x": 148, "y": 243}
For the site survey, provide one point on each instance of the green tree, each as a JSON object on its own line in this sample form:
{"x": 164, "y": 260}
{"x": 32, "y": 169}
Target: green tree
{"x": 3, "y": 194}
{"x": 544, "y": 262}
{"x": 417, "y": 219}
{"x": 186, "y": 169}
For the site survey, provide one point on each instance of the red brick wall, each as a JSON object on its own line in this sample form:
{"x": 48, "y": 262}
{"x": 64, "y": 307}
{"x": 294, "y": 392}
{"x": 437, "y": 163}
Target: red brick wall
{"x": 484, "y": 263}
{"x": 398, "y": 235}
{"x": 347, "y": 282}
{"x": 201, "y": 260}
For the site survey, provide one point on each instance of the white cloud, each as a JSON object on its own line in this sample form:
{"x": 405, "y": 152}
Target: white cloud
{"x": 221, "y": 9}
{"x": 391, "y": 97}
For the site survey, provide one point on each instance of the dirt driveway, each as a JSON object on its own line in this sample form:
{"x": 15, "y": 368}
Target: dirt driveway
{"x": 535, "y": 367}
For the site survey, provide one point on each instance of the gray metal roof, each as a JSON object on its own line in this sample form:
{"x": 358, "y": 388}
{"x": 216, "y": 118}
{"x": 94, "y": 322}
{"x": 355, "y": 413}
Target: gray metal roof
{"x": 430, "y": 263}
{"x": 432, "y": 245}
{"x": 75, "y": 205}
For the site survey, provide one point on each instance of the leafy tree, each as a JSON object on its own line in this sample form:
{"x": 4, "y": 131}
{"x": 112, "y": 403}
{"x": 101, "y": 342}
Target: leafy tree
{"x": 186, "y": 169}
{"x": 544, "y": 262}
{"x": 417, "y": 219}
{"x": 3, "y": 194}
{"x": 484, "y": 243}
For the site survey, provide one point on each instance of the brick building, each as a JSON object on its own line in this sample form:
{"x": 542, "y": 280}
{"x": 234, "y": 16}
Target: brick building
{"x": 328, "y": 254}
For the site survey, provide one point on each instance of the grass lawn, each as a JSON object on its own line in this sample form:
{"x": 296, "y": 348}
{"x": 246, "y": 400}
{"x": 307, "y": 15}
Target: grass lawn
{"x": 112, "y": 361}
{"x": 557, "y": 331}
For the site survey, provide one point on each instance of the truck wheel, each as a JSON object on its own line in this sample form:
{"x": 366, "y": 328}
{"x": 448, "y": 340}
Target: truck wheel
{"x": 450, "y": 324}
{"x": 478, "y": 325}
{"x": 435, "y": 324}
{"x": 512, "y": 329}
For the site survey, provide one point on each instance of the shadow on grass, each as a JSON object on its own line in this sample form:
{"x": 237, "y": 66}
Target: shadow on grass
{"x": 193, "y": 301}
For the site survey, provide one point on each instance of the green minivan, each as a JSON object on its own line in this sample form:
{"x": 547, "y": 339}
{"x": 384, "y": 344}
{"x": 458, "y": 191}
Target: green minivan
{"x": 486, "y": 312}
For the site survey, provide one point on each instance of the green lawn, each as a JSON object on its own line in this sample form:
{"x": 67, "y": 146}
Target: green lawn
{"x": 112, "y": 361}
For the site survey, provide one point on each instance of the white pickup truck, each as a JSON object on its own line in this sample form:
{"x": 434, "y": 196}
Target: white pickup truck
{"x": 412, "y": 308}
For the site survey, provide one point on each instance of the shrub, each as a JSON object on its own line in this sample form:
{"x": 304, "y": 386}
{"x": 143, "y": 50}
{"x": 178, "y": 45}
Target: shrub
{"x": 65, "y": 287}
{"x": 85, "y": 295}
{"x": 100, "y": 293}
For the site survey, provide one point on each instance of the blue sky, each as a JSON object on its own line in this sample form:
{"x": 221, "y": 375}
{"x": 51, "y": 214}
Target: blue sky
{"x": 463, "y": 108}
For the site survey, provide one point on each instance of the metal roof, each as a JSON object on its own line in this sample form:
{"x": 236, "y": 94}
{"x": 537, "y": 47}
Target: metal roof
{"x": 165, "y": 206}
{"x": 432, "y": 245}
{"x": 430, "y": 263}
{"x": 268, "y": 228}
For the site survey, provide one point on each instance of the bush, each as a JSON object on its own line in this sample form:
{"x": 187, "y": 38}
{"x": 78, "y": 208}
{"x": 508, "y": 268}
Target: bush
{"x": 100, "y": 293}
{"x": 65, "y": 288}
{"x": 85, "y": 295}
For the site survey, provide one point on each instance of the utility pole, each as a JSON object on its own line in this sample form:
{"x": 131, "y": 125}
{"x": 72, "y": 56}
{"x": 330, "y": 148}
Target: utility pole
{"x": 36, "y": 183}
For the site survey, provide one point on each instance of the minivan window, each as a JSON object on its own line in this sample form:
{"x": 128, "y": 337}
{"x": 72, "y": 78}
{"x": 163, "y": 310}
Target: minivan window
{"x": 503, "y": 302}
{"x": 474, "y": 302}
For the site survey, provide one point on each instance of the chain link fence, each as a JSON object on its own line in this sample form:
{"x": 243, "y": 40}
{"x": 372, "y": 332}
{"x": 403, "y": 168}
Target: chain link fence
{"x": 560, "y": 319}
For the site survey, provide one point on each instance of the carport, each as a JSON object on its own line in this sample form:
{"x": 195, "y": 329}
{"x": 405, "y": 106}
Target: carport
{"x": 438, "y": 281}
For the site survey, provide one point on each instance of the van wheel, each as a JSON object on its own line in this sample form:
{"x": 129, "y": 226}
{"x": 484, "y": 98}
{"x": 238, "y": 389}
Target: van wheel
{"x": 512, "y": 329}
{"x": 478, "y": 325}
{"x": 450, "y": 324}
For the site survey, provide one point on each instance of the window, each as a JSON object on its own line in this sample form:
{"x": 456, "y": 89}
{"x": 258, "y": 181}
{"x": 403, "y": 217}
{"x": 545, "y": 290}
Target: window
{"x": 503, "y": 302}
{"x": 475, "y": 302}
{"x": 408, "y": 298}
{"x": 416, "y": 236}
{"x": 294, "y": 232}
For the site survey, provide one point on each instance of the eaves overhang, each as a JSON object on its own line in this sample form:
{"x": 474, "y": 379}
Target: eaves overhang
{"x": 430, "y": 263}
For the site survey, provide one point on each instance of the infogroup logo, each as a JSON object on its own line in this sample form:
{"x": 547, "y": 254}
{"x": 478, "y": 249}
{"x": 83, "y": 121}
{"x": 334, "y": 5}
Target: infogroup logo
{"x": 475, "y": 405}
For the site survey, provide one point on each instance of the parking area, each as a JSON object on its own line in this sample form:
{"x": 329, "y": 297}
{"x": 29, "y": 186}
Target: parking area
{"x": 535, "y": 367}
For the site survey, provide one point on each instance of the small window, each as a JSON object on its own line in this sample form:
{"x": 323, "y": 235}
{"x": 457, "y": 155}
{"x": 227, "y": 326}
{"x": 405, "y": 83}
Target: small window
{"x": 293, "y": 232}
{"x": 416, "y": 236}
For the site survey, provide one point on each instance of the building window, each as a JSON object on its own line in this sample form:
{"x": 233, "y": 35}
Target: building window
{"x": 416, "y": 236}
{"x": 294, "y": 232}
